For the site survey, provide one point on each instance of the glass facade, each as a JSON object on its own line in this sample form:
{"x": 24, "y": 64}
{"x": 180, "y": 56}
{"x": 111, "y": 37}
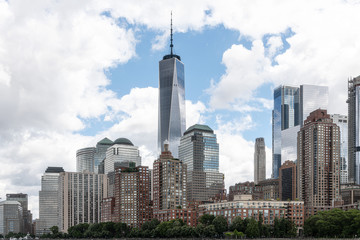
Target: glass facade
{"x": 292, "y": 105}
{"x": 120, "y": 155}
{"x": 199, "y": 150}
{"x": 85, "y": 159}
{"x": 311, "y": 98}
{"x": 172, "y": 118}
{"x": 285, "y": 115}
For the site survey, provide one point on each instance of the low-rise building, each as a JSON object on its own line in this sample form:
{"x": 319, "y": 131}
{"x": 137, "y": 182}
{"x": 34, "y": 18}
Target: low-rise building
{"x": 293, "y": 210}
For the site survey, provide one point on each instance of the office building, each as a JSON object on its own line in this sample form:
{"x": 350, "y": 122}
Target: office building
{"x": 11, "y": 219}
{"x": 100, "y": 152}
{"x": 259, "y": 160}
{"x": 80, "y": 196}
{"x": 89, "y": 158}
{"x": 85, "y": 159}
{"x": 48, "y": 200}
{"x": 287, "y": 181}
{"x": 172, "y": 120}
{"x": 26, "y": 214}
{"x": 131, "y": 203}
{"x": 318, "y": 163}
{"x": 199, "y": 150}
{"x": 342, "y": 122}
{"x": 291, "y": 107}
{"x": 121, "y": 154}
{"x": 354, "y": 130}
{"x": 292, "y": 210}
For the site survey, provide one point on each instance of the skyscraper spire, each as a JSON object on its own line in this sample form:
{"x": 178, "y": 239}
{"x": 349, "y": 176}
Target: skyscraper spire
{"x": 171, "y": 37}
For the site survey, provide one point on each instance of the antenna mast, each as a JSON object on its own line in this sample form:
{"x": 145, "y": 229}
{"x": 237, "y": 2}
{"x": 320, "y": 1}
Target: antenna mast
{"x": 171, "y": 37}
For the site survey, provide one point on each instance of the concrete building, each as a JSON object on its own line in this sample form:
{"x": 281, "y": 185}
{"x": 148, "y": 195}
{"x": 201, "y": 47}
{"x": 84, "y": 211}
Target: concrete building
{"x": 48, "y": 200}
{"x": 291, "y": 107}
{"x": 169, "y": 176}
{"x": 172, "y": 114}
{"x": 121, "y": 154}
{"x": 293, "y": 210}
{"x": 342, "y": 122}
{"x": 26, "y": 215}
{"x": 318, "y": 163}
{"x": 259, "y": 160}
{"x": 268, "y": 189}
{"x": 287, "y": 181}
{"x": 353, "y": 102}
{"x": 350, "y": 194}
{"x": 11, "y": 219}
{"x": 131, "y": 203}
{"x": 80, "y": 196}
{"x": 199, "y": 150}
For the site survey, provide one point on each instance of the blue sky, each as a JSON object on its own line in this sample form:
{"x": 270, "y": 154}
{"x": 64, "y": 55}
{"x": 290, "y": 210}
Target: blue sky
{"x": 74, "y": 72}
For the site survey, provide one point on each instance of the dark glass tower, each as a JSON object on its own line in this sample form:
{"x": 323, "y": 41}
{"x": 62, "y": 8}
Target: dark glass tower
{"x": 171, "y": 101}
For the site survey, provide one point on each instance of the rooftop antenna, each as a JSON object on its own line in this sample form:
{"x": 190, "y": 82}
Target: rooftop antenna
{"x": 171, "y": 37}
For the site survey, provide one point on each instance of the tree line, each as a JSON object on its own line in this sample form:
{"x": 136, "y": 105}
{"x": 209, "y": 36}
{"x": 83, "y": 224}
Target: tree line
{"x": 208, "y": 226}
{"x": 334, "y": 223}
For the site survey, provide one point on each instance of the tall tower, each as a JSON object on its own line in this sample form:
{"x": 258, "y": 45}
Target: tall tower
{"x": 318, "y": 163}
{"x": 292, "y": 105}
{"x": 259, "y": 161}
{"x": 199, "y": 150}
{"x": 172, "y": 121}
{"x": 48, "y": 200}
{"x": 354, "y": 130}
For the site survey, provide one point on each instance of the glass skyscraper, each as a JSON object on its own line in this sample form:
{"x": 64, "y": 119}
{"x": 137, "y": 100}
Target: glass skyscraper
{"x": 354, "y": 130}
{"x": 292, "y": 105}
{"x": 285, "y": 115}
{"x": 200, "y": 151}
{"x": 172, "y": 121}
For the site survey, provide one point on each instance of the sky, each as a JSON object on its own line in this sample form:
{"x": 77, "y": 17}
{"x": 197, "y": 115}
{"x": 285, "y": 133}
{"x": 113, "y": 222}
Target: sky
{"x": 74, "y": 72}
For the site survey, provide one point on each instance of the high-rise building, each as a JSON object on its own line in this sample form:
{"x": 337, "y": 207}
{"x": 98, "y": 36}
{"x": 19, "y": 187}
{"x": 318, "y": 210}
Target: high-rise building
{"x": 121, "y": 154}
{"x": 291, "y": 107}
{"x": 79, "y": 198}
{"x": 318, "y": 163}
{"x": 26, "y": 215}
{"x": 354, "y": 130}
{"x": 342, "y": 122}
{"x": 132, "y": 196}
{"x": 169, "y": 182}
{"x": 88, "y": 159}
{"x": 259, "y": 160}
{"x": 100, "y": 152}
{"x": 287, "y": 181}
{"x": 85, "y": 159}
{"x": 199, "y": 150}
{"x": 172, "y": 120}
{"x": 48, "y": 200}
{"x": 11, "y": 219}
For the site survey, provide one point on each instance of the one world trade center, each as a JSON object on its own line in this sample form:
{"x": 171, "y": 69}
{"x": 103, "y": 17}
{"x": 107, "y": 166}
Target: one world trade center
{"x": 172, "y": 116}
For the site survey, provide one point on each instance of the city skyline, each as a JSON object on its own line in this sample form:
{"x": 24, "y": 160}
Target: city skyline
{"x": 72, "y": 74}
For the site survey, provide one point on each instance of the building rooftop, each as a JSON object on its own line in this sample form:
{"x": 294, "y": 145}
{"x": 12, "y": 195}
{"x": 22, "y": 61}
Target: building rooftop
{"x": 54, "y": 170}
{"x": 105, "y": 141}
{"x": 203, "y": 128}
{"x": 123, "y": 141}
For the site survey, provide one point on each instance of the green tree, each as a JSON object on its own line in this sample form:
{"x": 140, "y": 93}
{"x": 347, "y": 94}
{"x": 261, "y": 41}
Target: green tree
{"x": 252, "y": 229}
{"x": 237, "y": 224}
{"x": 210, "y": 231}
{"x": 206, "y": 219}
{"x": 221, "y": 225}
